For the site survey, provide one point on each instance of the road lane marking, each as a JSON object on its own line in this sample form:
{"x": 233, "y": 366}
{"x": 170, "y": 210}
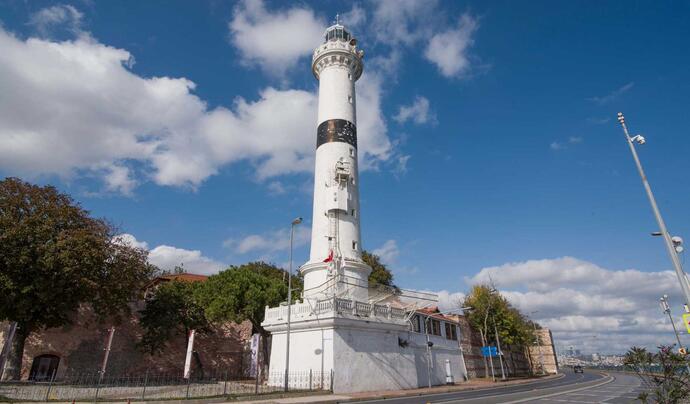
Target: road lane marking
{"x": 524, "y": 400}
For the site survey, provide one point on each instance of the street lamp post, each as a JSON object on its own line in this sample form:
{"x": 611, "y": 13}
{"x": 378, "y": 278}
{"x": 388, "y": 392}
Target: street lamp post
{"x": 657, "y": 214}
{"x": 289, "y": 303}
{"x": 500, "y": 351}
{"x": 667, "y": 309}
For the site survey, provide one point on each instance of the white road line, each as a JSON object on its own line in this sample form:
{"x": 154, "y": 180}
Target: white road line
{"x": 561, "y": 393}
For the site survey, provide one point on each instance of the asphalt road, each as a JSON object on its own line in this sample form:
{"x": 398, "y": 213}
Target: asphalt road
{"x": 588, "y": 387}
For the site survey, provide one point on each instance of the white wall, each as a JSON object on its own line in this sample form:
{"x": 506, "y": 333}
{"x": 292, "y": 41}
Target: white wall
{"x": 366, "y": 356}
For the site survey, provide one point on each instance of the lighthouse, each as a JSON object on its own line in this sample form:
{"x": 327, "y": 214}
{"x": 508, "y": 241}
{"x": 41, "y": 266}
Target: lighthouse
{"x": 335, "y": 266}
{"x": 336, "y": 337}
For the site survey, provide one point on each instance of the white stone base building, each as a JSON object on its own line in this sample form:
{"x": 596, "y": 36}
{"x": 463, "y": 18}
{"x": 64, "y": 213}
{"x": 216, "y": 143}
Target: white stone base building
{"x": 366, "y": 347}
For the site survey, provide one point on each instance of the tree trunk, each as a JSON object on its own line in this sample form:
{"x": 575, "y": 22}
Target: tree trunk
{"x": 13, "y": 369}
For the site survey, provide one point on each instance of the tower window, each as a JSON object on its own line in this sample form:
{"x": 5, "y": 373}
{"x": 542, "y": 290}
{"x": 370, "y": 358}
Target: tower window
{"x": 353, "y": 213}
{"x": 349, "y": 76}
{"x": 352, "y": 152}
{"x": 354, "y": 245}
{"x": 349, "y": 99}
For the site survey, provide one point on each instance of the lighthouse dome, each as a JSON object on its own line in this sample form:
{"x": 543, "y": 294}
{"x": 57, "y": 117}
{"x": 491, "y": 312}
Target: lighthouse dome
{"x": 337, "y": 32}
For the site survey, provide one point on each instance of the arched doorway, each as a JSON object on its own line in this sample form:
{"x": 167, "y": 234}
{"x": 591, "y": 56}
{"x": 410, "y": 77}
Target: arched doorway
{"x": 43, "y": 367}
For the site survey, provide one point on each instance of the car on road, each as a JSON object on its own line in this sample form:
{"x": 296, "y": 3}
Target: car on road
{"x": 578, "y": 369}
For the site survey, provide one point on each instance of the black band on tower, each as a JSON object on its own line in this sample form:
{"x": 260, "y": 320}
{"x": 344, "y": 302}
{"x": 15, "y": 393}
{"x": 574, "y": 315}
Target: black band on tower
{"x": 336, "y": 130}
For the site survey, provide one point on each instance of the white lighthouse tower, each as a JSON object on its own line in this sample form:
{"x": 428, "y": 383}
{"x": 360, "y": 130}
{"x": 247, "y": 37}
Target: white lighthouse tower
{"x": 334, "y": 338}
{"x": 335, "y": 266}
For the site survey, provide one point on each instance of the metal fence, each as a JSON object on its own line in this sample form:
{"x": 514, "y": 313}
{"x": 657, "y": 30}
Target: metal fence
{"x": 151, "y": 386}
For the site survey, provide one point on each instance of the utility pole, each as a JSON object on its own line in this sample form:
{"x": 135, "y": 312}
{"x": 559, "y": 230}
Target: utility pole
{"x": 500, "y": 352}
{"x": 657, "y": 214}
{"x": 289, "y": 303}
{"x": 106, "y": 354}
{"x": 667, "y": 309}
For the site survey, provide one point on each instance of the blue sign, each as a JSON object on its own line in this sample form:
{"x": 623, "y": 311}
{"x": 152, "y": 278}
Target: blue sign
{"x": 489, "y": 351}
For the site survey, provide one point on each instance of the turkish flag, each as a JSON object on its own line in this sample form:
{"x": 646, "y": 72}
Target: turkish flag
{"x": 330, "y": 257}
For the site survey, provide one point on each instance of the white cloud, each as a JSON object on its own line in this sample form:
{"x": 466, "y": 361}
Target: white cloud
{"x": 578, "y": 300}
{"x": 269, "y": 242}
{"x": 50, "y": 18}
{"x": 605, "y": 99}
{"x": 556, "y": 146}
{"x": 74, "y": 107}
{"x": 403, "y": 22}
{"x": 355, "y": 18}
{"x": 388, "y": 252}
{"x": 167, "y": 257}
{"x": 448, "y": 49}
{"x": 418, "y": 112}
{"x": 275, "y": 41}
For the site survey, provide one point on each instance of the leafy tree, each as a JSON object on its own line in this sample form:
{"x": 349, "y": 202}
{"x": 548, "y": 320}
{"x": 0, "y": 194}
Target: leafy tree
{"x": 664, "y": 374}
{"x": 492, "y": 313}
{"x": 380, "y": 274}
{"x": 172, "y": 311}
{"x": 55, "y": 257}
{"x": 242, "y": 293}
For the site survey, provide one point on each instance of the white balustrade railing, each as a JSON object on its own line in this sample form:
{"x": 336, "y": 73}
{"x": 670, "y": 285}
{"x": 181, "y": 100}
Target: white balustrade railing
{"x": 335, "y": 306}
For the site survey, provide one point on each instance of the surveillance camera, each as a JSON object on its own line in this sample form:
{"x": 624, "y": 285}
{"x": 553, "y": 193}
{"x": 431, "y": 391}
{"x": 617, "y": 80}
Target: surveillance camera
{"x": 677, "y": 240}
{"x": 640, "y": 139}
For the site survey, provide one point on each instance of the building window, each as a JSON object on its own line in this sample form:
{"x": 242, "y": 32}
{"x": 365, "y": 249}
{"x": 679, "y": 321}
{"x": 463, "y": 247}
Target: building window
{"x": 352, "y": 152}
{"x": 451, "y": 332}
{"x": 416, "y": 324}
{"x": 44, "y": 367}
{"x": 435, "y": 327}
{"x": 354, "y": 245}
{"x": 349, "y": 76}
{"x": 349, "y": 99}
{"x": 353, "y": 213}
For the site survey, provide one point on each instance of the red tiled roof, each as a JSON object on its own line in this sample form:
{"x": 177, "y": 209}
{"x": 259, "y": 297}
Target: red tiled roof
{"x": 185, "y": 277}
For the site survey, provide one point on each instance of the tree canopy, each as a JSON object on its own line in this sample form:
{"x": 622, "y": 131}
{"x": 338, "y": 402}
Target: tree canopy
{"x": 54, "y": 257}
{"x": 242, "y": 293}
{"x": 380, "y": 274}
{"x": 491, "y": 312}
{"x": 172, "y": 311}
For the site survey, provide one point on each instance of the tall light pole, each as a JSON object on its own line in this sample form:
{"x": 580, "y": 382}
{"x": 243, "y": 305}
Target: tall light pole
{"x": 289, "y": 303}
{"x": 660, "y": 221}
{"x": 500, "y": 351}
{"x": 667, "y": 309}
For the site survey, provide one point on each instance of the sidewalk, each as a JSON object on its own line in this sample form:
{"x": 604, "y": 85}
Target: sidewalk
{"x": 474, "y": 384}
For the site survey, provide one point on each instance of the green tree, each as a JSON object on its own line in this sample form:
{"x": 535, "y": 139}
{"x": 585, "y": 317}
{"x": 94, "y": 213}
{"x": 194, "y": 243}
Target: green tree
{"x": 491, "y": 313}
{"x": 380, "y": 274}
{"x": 664, "y": 374}
{"x": 55, "y": 257}
{"x": 171, "y": 312}
{"x": 242, "y": 293}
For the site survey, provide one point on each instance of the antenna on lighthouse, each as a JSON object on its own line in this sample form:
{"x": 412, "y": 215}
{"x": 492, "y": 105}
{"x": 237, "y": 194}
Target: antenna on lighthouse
{"x": 337, "y": 19}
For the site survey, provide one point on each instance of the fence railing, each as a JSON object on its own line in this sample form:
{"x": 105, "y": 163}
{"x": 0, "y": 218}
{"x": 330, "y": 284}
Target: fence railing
{"x": 152, "y": 386}
{"x": 335, "y": 306}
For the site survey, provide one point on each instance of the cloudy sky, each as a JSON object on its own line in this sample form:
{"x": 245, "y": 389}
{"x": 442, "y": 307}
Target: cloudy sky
{"x": 487, "y": 136}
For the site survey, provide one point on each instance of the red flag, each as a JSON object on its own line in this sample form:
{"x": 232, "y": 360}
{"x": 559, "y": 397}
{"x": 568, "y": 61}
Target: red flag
{"x": 330, "y": 256}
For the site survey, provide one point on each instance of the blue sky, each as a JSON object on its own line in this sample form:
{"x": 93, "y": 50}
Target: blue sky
{"x": 487, "y": 134}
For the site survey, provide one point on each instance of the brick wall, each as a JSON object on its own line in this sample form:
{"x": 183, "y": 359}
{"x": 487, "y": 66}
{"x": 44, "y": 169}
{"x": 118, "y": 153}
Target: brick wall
{"x": 81, "y": 346}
